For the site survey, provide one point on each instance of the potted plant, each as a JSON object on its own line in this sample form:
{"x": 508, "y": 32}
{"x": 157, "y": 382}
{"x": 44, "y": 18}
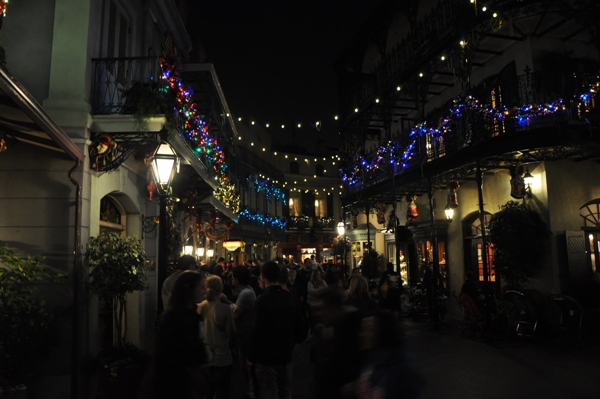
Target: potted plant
{"x": 28, "y": 328}
{"x": 117, "y": 264}
{"x": 520, "y": 238}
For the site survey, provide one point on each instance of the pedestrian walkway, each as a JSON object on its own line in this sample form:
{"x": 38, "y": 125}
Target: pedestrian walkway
{"x": 455, "y": 367}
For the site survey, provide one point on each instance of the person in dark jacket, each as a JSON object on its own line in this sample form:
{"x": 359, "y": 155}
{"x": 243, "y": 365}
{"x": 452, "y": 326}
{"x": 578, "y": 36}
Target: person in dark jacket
{"x": 278, "y": 326}
{"x": 181, "y": 355}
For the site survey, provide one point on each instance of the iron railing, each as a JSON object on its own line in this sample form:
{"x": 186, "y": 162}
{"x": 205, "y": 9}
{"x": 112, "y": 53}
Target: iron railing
{"x": 559, "y": 98}
{"x": 114, "y": 77}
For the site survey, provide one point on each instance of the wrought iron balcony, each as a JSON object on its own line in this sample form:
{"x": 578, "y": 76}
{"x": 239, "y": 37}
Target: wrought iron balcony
{"x": 531, "y": 115}
{"x": 113, "y": 78}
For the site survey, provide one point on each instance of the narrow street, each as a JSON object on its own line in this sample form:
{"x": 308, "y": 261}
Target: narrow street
{"x": 455, "y": 367}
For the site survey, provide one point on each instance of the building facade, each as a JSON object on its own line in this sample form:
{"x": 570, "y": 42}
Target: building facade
{"x": 84, "y": 89}
{"x": 451, "y": 104}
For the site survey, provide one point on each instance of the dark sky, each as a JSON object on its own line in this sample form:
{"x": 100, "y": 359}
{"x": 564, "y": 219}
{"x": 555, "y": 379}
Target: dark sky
{"x": 274, "y": 59}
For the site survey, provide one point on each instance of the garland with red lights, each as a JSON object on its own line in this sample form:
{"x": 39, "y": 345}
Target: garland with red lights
{"x": 195, "y": 130}
{"x": 367, "y": 170}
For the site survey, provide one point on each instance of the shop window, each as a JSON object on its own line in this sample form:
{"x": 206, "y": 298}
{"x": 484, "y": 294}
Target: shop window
{"x": 590, "y": 212}
{"x": 474, "y": 251}
{"x": 294, "y": 203}
{"x": 112, "y": 216}
{"x": 320, "y": 206}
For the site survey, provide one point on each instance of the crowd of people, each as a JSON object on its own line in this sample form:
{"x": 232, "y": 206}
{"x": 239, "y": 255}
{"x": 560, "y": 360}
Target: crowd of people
{"x": 253, "y": 315}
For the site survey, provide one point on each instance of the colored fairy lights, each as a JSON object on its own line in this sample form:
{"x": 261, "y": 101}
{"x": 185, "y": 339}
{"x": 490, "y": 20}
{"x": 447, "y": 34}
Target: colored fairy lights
{"x": 367, "y": 170}
{"x": 195, "y": 130}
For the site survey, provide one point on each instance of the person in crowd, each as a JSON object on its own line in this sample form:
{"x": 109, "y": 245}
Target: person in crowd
{"x": 334, "y": 352}
{"x": 333, "y": 276}
{"x": 355, "y": 273}
{"x": 359, "y": 296}
{"x": 204, "y": 268}
{"x": 315, "y": 264}
{"x": 390, "y": 289}
{"x": 302, "y": 278}
{"x": 243, "y": 312}
{"x": 255, "y": 279}
{"x": 219, "y": 268}
{"x": 283, "y": 278}
{"x": 227, "y": 278}
{"x": 278, "y": 326}
{"x": 181, "y": 355}
{"x": 220, "y": 328}
{"x": 314, "y": 287}
{"x": 385, "y": 371}
{"x": 186, "y": 262}
{"x": 292, "y": 284}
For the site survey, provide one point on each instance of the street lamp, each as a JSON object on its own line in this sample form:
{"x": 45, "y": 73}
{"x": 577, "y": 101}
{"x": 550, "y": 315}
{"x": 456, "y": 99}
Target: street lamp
{"x": 341, "y": 229}
{"x": 449, "y": 213}
{"x": 164, "y": 165}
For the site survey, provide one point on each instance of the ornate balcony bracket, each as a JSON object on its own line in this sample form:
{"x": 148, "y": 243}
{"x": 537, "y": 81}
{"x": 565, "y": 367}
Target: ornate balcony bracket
{"x": 108, "y": 151}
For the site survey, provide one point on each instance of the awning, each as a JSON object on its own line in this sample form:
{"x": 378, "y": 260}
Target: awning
{"x": 23, "y": 118}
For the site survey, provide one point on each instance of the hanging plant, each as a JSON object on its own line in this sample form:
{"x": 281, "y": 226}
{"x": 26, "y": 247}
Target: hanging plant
{"x": 144, "y": 99}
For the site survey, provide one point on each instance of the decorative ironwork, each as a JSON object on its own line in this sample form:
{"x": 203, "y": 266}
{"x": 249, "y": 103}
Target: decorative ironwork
{"x": 149, "y": 223}
{"x": 113, "y": 77}
{"x": 108, "y": 152}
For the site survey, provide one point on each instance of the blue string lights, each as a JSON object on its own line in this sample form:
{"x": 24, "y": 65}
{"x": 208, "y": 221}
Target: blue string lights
{"x": 366, "y": 170}
{"x": 263, "y": 219}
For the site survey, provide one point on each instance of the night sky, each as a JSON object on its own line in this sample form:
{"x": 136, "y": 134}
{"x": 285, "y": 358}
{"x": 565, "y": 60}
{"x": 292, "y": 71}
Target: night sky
{"x": 274, "y": 60}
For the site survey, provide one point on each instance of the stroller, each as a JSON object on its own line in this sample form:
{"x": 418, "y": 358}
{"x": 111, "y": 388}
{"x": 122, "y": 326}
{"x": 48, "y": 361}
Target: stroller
{"x": 527, "y": 320}
{"x": 474, "y": 318}
{"x": 420, "y": 300}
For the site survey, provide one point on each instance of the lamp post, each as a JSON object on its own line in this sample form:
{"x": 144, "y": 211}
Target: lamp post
{"x": 341, "y": 229}
{"x": 164, "y": 164}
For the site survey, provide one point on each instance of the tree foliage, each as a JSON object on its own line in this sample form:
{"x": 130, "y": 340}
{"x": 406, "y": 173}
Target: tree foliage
{"x": 117, "y": 264}
{"x": 520, "y": 238}
{"x": 371, "y": 264}
{"x": 28, "y": 327}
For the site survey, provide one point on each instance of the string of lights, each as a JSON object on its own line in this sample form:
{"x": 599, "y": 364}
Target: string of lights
{"x": 195, "y": 130}
{"x": 364, "y": 168}
{"x": 270, "y": 189}
{"x": 264, "y": 219}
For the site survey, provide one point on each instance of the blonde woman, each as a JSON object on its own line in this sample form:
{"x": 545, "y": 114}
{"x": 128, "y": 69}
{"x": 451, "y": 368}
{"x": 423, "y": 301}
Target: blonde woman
{"x": 220, "y": 328}
{"x": 359, "y": 296}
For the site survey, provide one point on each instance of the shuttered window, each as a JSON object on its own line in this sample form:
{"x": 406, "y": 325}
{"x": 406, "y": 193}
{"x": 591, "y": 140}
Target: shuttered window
{"x": 115, "y": 38}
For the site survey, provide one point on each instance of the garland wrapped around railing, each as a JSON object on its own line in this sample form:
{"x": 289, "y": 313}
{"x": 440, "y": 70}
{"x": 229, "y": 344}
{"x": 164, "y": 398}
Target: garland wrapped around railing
{"x": 195, "y": 130}
{"x": 263, "y": 219}
{"x": 367, "y": 169}
{"x": 270, "y": 189}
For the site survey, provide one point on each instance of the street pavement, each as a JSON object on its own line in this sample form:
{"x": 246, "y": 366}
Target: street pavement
{"x": 454, "y": 366}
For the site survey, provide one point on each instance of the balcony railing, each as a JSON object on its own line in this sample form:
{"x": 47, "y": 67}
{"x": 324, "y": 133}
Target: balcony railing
{"x": 538, "y": 100}
{"x": 430, "y": 32}
{"x": 114, "y": 77}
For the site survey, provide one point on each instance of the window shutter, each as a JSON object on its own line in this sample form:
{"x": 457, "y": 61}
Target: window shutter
{"x": 308, "y": 204}
{"x": 329, "y": 206}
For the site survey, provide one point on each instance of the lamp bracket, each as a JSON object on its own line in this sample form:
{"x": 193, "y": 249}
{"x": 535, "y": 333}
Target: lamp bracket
{"x": 109, "y": 151}
{"x": 149, "y": 223}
